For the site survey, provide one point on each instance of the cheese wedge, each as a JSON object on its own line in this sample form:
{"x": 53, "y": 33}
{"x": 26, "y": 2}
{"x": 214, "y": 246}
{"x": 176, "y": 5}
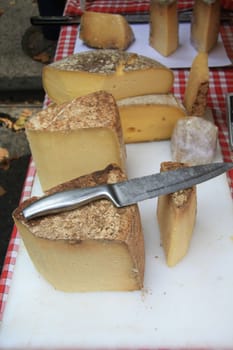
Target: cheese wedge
{"x": 123, "y": 74}
{"x": 164, "y": 33}
{"x": 76, "y": 138}
{"x": 97, "y": 247}
{"x": 194, "y": 141}
{"x": 105, "y": 30}
{"x": 197, "y": 88}
{"x": 176, "y": 214}
{"x": 205, "y": 24}
{"x": 149, "y": 117}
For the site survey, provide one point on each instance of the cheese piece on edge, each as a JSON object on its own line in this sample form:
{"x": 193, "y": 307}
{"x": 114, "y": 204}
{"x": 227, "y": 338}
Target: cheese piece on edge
{"x": 149, "y": 117}
{"x": 196, "y": 91}
{"x": 164, "y": 31}
{"x": 76, "y": 138}
{"x": 205, "y": 24}
{"x": 97, "y": 247}
{"x": 176, "y": 213}
{"x": 123, "y": 74}
{"x": 105, "y": 30}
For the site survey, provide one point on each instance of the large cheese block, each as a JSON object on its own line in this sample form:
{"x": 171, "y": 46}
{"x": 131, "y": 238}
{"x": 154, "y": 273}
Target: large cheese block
{"x": 149, "y": 117}
{"x": 75, "y": 138}
{"x": 197, "y": 87}
{"x": 164, "y": 31}
{"x": 123, "y": 74}
{"x": 176, "y": 214}
{"x": 105, "y": 30}
{"x": 97, "y": 247}
{"x": 205, "y": 24}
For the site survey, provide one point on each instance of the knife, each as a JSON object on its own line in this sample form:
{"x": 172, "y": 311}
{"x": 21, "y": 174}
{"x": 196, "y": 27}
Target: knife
{"x": 126, "y": 192}
{"x": 144, "y": 17}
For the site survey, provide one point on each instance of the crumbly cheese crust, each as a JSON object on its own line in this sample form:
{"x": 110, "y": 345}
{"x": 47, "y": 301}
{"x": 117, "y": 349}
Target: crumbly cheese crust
{"x": 105, "y": 61}
{"x": 178, "y": 198}
{"x": 94, "y": 110}
{"x": 97, "y": 220}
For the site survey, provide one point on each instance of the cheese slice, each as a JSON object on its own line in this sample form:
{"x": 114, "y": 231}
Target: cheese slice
{"x": 176, "y": 215}
{"x": 76, "y": 138}
{"x": 149, "y": 117}
{"x": 97, "y": 247}
{"x": 205, "y": 24}
{"x": 197, "y": 88}
{"x": 105, "y": 30}
{"x": 164, "y": 33}
{"x": 123, "y": 74}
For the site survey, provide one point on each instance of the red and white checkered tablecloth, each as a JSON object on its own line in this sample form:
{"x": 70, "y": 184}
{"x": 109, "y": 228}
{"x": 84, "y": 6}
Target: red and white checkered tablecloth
{"x": 221, "y": 82}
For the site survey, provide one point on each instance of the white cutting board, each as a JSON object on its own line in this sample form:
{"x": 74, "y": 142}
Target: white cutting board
{"x": 190, "y": 305}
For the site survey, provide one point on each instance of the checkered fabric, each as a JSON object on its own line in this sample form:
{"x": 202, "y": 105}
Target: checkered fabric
{"x": 221, "y": 82}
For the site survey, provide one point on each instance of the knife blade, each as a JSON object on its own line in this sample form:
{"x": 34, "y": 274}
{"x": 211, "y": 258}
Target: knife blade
{"x": 127, "y": 192}
{"x": 143, "y": 17}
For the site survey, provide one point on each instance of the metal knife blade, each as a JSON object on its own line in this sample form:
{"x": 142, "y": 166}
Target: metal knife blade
{"x": 127, "y": 192}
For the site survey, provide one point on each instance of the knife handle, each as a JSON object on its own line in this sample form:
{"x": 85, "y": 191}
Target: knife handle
{"x": 68, "y": 200}
{"x": 229, "y": 105}
{"x": 54, "y": 20}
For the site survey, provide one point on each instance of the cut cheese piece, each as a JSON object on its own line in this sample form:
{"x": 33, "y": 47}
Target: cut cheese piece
{"x": 76, "y": 138}
{"x": 105, "y": 30}
{"x": 123, "y": 74}
{"x": 97, "y": 247}
{"x": 176, "y": 215}
{"x": 194, "y": 141}
{"x": 197, "y": 88}
{"x": 149, "y": 117}
{"x": 205, "y": 24}
{"x": 164, "y": 33}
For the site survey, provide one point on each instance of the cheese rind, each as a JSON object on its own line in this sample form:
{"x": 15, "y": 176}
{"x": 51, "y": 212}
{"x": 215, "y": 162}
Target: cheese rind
{"x": 105, "y": 30}
{"x": 194, "y": 141}
{"x": 123, "y": 74}
{"x": 197, "y": 88}
{"x": 205, "y": 25}
{"x": 164, "y": 33}
{"x": 176, "y": 214}
{"x": 150, "y": 117}
{"x": 76, "y": 138}
{"x": 97, "y": 247}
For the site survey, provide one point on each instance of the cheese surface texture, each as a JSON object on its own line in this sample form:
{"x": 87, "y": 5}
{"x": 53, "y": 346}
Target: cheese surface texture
{"x": 105, "y": 31}
{"x": 164, "y": 33}
{"x": 97, "y": 247}
{"x": 123, "y": 74}
{"x": 150, "y": 117}
{"x": 197, "y": 88}
{"x": 176, "y": 213}
{"x": 76, "y": 138}
{"x": 194, "y": 141}
{"x": 205, "y": 25}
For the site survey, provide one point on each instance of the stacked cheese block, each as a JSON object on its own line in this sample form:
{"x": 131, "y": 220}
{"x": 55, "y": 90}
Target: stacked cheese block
{"x": 141, "y": 86}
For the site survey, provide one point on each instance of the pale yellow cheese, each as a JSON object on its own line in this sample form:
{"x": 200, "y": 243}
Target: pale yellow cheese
{"x": 176, "y": 215}
{"x": 76, "y": 138}
{"x": 164, "y": 33}
{"x": 123, "y": 74}
{"x": 105, "y": 30}
{"x": 205, "y": 24}
{"x": 97, "y": 247}
{"x": 197, "y": 88}
{"x": 150, "y": 117}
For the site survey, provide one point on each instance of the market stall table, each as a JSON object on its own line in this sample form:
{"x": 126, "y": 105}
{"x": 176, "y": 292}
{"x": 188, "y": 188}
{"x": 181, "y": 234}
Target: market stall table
{"x": 187, "y": 306}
